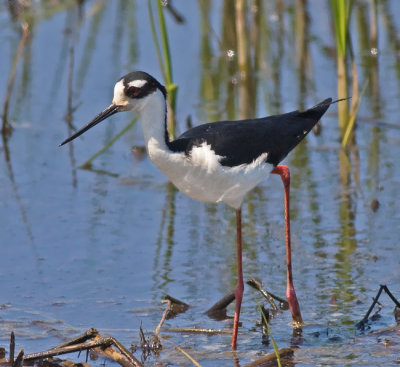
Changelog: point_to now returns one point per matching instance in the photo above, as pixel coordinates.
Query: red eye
(133, 92)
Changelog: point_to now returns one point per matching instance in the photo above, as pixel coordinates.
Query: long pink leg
(294, 306)
(240, 286)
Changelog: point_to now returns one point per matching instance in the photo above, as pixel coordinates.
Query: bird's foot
(294, 307)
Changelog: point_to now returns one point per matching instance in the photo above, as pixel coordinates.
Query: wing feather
(241, 142)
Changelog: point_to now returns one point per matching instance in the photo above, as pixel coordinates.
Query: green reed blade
(276, 350)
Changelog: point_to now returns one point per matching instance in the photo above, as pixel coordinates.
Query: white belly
(202, 178)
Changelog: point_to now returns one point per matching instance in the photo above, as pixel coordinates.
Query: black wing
(240, 142)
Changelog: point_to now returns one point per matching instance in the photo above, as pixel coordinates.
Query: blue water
(101, 248)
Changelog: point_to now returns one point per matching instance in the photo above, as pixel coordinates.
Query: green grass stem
(352, 118)
(155, 39)
(164, 59)
(341, 14)
(340, 10)
(165, 43)
(276, 350)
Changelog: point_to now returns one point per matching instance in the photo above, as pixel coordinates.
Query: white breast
(201, 176)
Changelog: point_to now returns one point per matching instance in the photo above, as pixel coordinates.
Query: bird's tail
(327, 102)
(339, 100)
(319, 109)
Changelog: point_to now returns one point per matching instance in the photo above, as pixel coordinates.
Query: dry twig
(89, 340)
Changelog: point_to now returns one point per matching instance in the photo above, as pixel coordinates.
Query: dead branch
(361, 324)
(103, 342)
(218, 310)
(169, 303)
(122, 357)
(285, 354)
(19, 361)
(176, 307)
(12, 346)
(89, 340)
(257, 284)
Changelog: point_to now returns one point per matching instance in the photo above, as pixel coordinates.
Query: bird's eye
(133, 92)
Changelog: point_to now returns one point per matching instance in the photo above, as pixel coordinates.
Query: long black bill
(109, 111)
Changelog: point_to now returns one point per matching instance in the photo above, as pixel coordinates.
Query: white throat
(152, 112)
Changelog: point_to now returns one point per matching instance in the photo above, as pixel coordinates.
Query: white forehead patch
(119, 95)
(119, 88)
(137, 83)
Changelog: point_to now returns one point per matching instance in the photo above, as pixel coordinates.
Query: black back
(240, 142)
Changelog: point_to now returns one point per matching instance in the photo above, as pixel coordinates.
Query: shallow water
(100, 248)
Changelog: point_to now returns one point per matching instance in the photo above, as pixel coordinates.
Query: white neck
(152, 111)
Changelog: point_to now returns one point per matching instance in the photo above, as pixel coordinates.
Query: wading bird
(219, 161)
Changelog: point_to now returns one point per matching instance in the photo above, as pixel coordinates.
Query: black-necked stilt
(220, 161)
